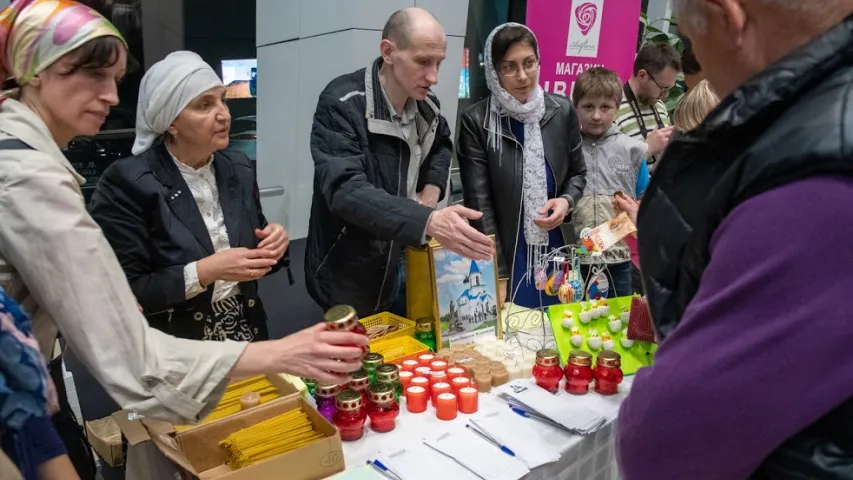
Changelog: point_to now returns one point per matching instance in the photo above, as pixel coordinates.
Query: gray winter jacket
(612, 164)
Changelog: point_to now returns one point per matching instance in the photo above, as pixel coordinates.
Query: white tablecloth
(588, 457)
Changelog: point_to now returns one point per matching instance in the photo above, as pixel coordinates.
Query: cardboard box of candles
(256, 444)
(240, 394)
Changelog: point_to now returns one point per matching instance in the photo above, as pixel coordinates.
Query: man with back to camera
(744, 241)
(642, 113)
(382, 154)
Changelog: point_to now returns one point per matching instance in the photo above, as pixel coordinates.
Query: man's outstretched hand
(450, 227)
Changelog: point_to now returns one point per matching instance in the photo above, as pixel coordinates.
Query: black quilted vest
(792, 121)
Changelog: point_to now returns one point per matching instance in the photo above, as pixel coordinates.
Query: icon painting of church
(474, 306)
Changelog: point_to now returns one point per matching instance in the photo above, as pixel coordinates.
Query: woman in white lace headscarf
(521, 163)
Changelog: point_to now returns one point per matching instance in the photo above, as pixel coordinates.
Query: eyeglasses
(510, 69)
(661, 87)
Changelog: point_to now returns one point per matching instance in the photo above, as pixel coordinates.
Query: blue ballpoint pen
(383, 470)
(546, 421)
(491, 440)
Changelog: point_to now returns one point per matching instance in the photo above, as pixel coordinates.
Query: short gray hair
(690, 12)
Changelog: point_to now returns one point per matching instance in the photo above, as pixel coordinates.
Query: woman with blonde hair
(695, 106)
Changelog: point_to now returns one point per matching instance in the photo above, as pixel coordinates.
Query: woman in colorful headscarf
(521, 163)
(64, 61)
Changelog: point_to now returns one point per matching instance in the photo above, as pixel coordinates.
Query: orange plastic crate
(405, 327)
(398, 349)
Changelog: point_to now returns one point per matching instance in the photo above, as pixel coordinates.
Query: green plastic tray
(641, 354)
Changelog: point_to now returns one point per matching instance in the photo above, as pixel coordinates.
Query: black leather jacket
(492, 183)
(788, 123)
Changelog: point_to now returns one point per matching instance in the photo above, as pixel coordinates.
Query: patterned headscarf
(34, 34)
(535, 191)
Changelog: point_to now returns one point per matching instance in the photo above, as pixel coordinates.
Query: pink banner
(575, 35)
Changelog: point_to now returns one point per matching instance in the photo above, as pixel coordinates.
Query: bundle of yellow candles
(279, 434)
(229, 404)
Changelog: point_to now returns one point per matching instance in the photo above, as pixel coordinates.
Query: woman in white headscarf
(184, 216)
(521, 163)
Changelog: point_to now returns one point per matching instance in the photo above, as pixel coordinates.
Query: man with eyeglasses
(642, 113)
(382, 151)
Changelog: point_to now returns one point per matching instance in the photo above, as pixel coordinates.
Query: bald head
(736, 39)
(409, 24)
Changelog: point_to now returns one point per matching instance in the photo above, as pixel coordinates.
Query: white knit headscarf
(502, 105)
(165, 91)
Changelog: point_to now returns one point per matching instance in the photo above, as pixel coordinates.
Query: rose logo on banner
(586, 15)
(585, 28)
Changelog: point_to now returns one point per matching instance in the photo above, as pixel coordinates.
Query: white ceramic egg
(568, 323)
(594, 340)
(614, 324)
(625, 316)
(625, 341)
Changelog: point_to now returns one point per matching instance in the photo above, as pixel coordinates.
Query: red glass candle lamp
(608, 373)
(578, 372)
(456, 372)
(547, 372)
(382, 408)
(360, 383)
(342, 318)
(350, 415)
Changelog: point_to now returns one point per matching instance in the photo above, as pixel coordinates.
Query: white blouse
(202, 185)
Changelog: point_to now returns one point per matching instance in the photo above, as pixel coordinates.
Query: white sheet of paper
(478, 455)
(556, 407)
(420, 462)
(519, 436)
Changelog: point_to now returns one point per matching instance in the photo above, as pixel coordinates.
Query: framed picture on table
(459, 294)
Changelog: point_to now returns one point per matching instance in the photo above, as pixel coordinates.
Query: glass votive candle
(406, 379)
(422, 372)
(455, 372)
(416, 399)
(422, 382)
(438, 365)
(425, 359)
(436, 377)
(446, 406)
(468, 400)
(409, 365)
(438, 389)
(460, 382)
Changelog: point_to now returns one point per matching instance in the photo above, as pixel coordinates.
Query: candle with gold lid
(350, 415)
(342, 318)
(547, 370)
(371, 362)
(425, 332)
(608, 373)
(382, 408)
(578, 372)
(390, 374)
(324, 394)
(360, 382)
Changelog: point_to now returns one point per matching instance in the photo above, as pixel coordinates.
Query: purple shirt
(763, 350)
